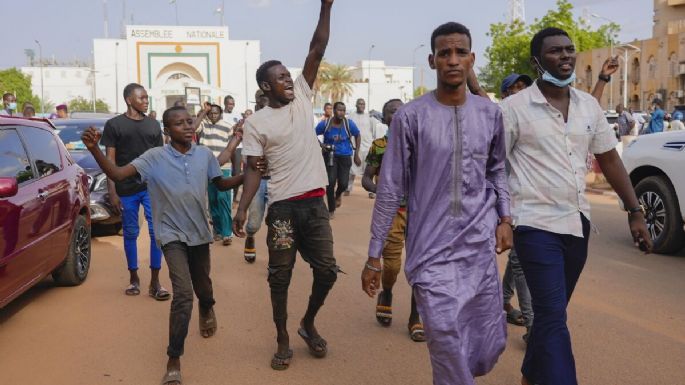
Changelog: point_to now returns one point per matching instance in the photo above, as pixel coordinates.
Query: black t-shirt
(131, 138)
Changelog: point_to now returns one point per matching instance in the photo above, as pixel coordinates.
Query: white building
(62, 84)
(178, 62)
(194, 64)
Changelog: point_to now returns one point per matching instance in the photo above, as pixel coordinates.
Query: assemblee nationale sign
(176, 33)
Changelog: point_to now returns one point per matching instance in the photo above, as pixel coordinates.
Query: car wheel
(664, 223)
(75, 267)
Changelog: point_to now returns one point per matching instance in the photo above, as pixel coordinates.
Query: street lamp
(626, 47)
(368, 97)
(413, 66)
(116, 75)
(611, 53)
(42, 96)
(247, 97)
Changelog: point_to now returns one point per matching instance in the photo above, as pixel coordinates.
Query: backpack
(346, 126)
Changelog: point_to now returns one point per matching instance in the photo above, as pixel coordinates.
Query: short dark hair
(6, 95)
(128, 90)
(658, 102)
(388, 102)
(539, 38)
(326, 105)
(336, 104)
(264, 69)
(227, 98)
(449, 29)
(169, 111)
(221, 110)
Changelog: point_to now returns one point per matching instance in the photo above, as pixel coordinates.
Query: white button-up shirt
(546, 158)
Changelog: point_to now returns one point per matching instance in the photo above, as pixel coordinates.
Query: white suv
(656, 165)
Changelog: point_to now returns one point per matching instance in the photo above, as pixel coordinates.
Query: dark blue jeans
(552, 264)
(129, 223)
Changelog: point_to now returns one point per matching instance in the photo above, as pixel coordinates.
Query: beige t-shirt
(286, 138)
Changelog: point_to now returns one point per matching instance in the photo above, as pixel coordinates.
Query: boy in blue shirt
(337, 138)
(177, 177)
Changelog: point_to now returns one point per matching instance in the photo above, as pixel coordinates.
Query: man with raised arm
(297, 217)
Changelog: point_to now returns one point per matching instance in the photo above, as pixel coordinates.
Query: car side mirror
(8, 187)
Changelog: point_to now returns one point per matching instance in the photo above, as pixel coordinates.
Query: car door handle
(43, 195)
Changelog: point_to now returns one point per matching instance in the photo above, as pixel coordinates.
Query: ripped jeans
(304, 226)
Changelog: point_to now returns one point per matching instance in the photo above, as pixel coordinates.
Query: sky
(65, 28)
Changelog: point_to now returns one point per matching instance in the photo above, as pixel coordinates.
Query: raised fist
(91, 137)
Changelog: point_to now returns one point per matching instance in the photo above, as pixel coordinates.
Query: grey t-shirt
(177, 184)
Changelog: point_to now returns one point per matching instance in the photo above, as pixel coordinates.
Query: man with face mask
(546, 158)
(9, 102)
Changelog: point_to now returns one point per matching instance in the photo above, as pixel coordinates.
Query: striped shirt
(215, 136)
(546, 158)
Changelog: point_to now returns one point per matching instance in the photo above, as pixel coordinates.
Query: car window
(13, 159)
(43, 149)
(70, 133)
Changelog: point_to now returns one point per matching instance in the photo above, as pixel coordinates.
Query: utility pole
(106, 19)
(368, 98)
(42, 94)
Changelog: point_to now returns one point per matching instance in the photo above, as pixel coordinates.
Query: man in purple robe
(446, 153)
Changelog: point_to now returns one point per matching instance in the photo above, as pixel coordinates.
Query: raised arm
(91, 138)
(206, 108)
(227, 154)
(608, 68)
(317, 48)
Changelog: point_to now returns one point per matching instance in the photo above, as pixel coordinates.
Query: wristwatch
(638, 209)
(605, 78)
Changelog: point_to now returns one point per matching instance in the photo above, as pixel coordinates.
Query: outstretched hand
(91, 137)
(610, 66)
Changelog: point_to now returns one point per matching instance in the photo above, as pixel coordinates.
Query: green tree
(420, 90)
(510, 48)
(334, 81)
(84, 105)
(14, 81)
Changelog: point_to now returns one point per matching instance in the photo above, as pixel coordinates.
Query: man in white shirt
(367, 128)
(546, 155)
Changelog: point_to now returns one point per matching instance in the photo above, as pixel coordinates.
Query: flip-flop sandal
(160, 293)
(314, 343)
(383, 313)
(133, 289)
(172, 376)
(416, 333)
(208, 323)
(515, 317)
(281, 362)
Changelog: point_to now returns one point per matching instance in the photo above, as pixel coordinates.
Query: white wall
(62, 84)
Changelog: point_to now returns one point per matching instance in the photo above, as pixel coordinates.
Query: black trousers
(338, 174)
(302, 226)
(189, 268)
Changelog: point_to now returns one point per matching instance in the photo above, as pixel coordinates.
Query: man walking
(367, 132)
(337, 135)
(213, 134)
(125, 138)
(550, 129)
(392, 250)
(446, 155)
(656, 123)
(297, 217)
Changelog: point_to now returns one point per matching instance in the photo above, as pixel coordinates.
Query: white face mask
(549, 78)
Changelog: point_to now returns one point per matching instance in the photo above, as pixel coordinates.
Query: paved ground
(626, 318)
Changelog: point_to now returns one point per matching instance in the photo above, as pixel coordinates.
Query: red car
(44, 214)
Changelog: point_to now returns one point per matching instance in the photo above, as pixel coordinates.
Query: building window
(635, 71)
(651, 63)
(673, 64)
(588, 77)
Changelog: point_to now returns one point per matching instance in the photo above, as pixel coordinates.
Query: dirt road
(626, 318)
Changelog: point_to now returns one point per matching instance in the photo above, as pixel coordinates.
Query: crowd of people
(456, 180)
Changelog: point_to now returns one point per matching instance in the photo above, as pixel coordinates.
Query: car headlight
(100, 183)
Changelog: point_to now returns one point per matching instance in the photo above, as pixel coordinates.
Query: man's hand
(638, 229)
(371, 280)
(239, 222)
(207, 107)
(115, 202)
(504, 236)
(262, 165)
(91, 138)
(610, 66)
(357, 160)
